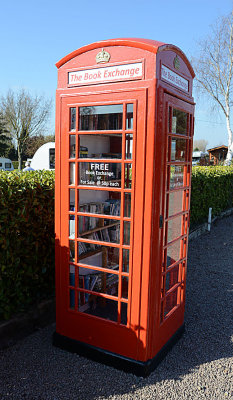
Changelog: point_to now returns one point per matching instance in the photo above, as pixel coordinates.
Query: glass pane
(176, 176)
(98, 307)
(100, 146)
(127, 210)
(99, 202)
(124, 287)
(179, 122)
(100, 174)
(97, 281)
(51, 159)
(72, 298)
(175, 202)
(170, 302)
(71, 226)
(72, 119)
(178, 150)
(174, 228)
(72, 275)
(99, 229)
(129, 116)
(100, 118)
(125, 260)
(172, 278)
(83, 248)
(72, 173)
(128, 146)
(127, 233)
(72, 250)
(101, 256)
(128, 176)
(72, 200)
(174, 252)
(124, 307)
(169, 120)
(72, 146)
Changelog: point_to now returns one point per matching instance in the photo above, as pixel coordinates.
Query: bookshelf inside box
(102, 279)
(93, 205)
(99, 278)
(98, 229)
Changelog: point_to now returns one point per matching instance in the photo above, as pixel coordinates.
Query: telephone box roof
(152, 46)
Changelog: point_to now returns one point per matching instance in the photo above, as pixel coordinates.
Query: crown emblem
(102, 57)
(176, 63)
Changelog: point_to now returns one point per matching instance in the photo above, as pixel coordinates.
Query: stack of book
(108, 207)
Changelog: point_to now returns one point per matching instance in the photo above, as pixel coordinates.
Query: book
(83, 152)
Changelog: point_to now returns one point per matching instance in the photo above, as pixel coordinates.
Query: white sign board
(100, 174)
(106, 74)
(171, 77)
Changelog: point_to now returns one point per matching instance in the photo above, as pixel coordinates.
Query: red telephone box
(124, 130)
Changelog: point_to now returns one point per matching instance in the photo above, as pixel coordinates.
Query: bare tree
(200, 144)
(33, 143)
(4, 139)
(25, 116)
(214, 70)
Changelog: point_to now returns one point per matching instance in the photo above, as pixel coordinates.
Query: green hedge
(211, 187)
(26, 239)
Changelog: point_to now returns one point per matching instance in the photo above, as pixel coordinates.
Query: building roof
(223, 147)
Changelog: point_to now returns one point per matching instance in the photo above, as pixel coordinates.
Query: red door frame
(162, 331)
(105, 334)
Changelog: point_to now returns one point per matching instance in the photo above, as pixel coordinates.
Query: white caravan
(44, 157)
(6, 164)
(197, 156)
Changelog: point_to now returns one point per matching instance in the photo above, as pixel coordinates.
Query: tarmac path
(200, 365)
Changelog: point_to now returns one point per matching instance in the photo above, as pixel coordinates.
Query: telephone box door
(101, 209)
(178, 125)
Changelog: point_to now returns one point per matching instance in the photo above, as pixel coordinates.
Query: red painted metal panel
(70, 318)
(165, 326)
(151, 286)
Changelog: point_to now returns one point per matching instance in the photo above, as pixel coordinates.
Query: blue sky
(35, 35)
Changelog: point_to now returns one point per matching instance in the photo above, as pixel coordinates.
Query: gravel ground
(198, 367)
